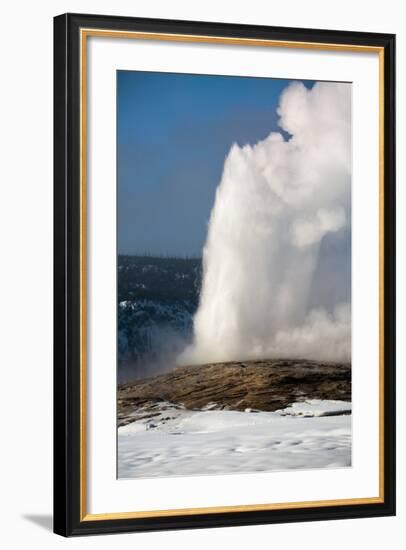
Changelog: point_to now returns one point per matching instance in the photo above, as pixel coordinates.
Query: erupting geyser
(276, 202)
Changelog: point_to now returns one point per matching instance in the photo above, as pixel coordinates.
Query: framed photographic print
(224, 274)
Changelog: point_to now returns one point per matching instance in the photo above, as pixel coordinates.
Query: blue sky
(173, 134)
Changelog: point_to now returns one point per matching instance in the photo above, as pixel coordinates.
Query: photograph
(233, 274)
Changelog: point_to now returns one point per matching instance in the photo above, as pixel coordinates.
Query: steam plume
(276, 203)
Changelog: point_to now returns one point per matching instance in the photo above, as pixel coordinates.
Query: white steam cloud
(276, 202)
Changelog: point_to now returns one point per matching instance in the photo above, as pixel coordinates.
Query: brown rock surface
(266, 385)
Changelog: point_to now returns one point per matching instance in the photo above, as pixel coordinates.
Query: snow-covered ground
(176, 441)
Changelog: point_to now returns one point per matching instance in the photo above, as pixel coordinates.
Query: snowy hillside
(148, 327)
(157, 298)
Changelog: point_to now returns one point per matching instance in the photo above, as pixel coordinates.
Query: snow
(317, 407)
(176, 441)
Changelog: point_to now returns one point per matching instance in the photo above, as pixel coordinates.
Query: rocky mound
(266, 385)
